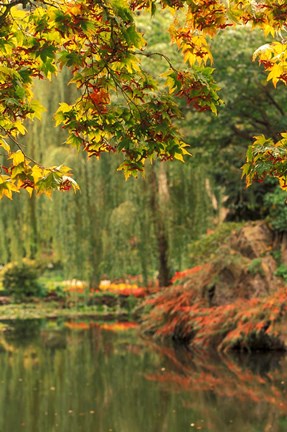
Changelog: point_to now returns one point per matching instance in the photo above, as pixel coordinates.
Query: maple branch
(49, 4)
(241, 133)
(128, 99)
(151, 54)
(273, 101)
(8, 7)
(14, 3)
(24, 153)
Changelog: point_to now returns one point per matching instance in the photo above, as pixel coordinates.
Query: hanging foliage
(121, 107)
(180, 314)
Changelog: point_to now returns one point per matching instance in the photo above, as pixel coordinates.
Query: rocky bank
(233, 298)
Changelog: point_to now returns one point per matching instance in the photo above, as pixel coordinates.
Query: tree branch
(273, 101)
(151, 54)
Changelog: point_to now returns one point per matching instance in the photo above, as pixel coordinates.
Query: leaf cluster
(121, 106)
(266, 157)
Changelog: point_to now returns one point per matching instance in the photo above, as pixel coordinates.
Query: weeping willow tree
(112, 227)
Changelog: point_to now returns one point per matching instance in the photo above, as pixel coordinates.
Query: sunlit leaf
(17, 157)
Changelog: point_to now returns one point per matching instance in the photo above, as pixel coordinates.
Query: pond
(84, 376)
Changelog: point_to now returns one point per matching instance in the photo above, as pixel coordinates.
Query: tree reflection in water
(245, 390)
(87, 377)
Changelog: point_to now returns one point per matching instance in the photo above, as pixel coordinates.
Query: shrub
(20, 279)
(282, 272)
(208, 246)
(255, 267)
(277, 209)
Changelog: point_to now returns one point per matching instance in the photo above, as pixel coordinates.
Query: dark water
(83, 377)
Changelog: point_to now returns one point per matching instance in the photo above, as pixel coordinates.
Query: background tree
(126, 96)
(251, 106)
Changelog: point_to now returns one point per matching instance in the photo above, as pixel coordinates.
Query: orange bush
(185, 273)
(258, 323)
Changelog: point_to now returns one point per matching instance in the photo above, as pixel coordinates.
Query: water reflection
(237, 393)
(83, 377)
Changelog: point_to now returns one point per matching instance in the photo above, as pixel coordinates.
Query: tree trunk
(34, 227)
(158, 197)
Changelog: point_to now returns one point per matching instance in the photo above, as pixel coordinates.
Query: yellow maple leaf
(275, 73)
(5, 145)
(37, 173)
(17, 157)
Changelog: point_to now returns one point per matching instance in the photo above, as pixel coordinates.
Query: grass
(38, 310)
(68, 298)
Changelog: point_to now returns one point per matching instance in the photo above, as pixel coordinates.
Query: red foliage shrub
(185, 273)
(258, 323)
(136, 292)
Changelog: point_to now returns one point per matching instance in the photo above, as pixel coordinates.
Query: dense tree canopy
(113, 227)
(120, 105)
(252, 106)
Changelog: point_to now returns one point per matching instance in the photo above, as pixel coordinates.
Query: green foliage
(250, 106)
(206, 248)
(121, 105)
(276, 203)
(266, 157)
(20, 279)
(276, 253)
(88, 232)
(255, 267)
(282, 272)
